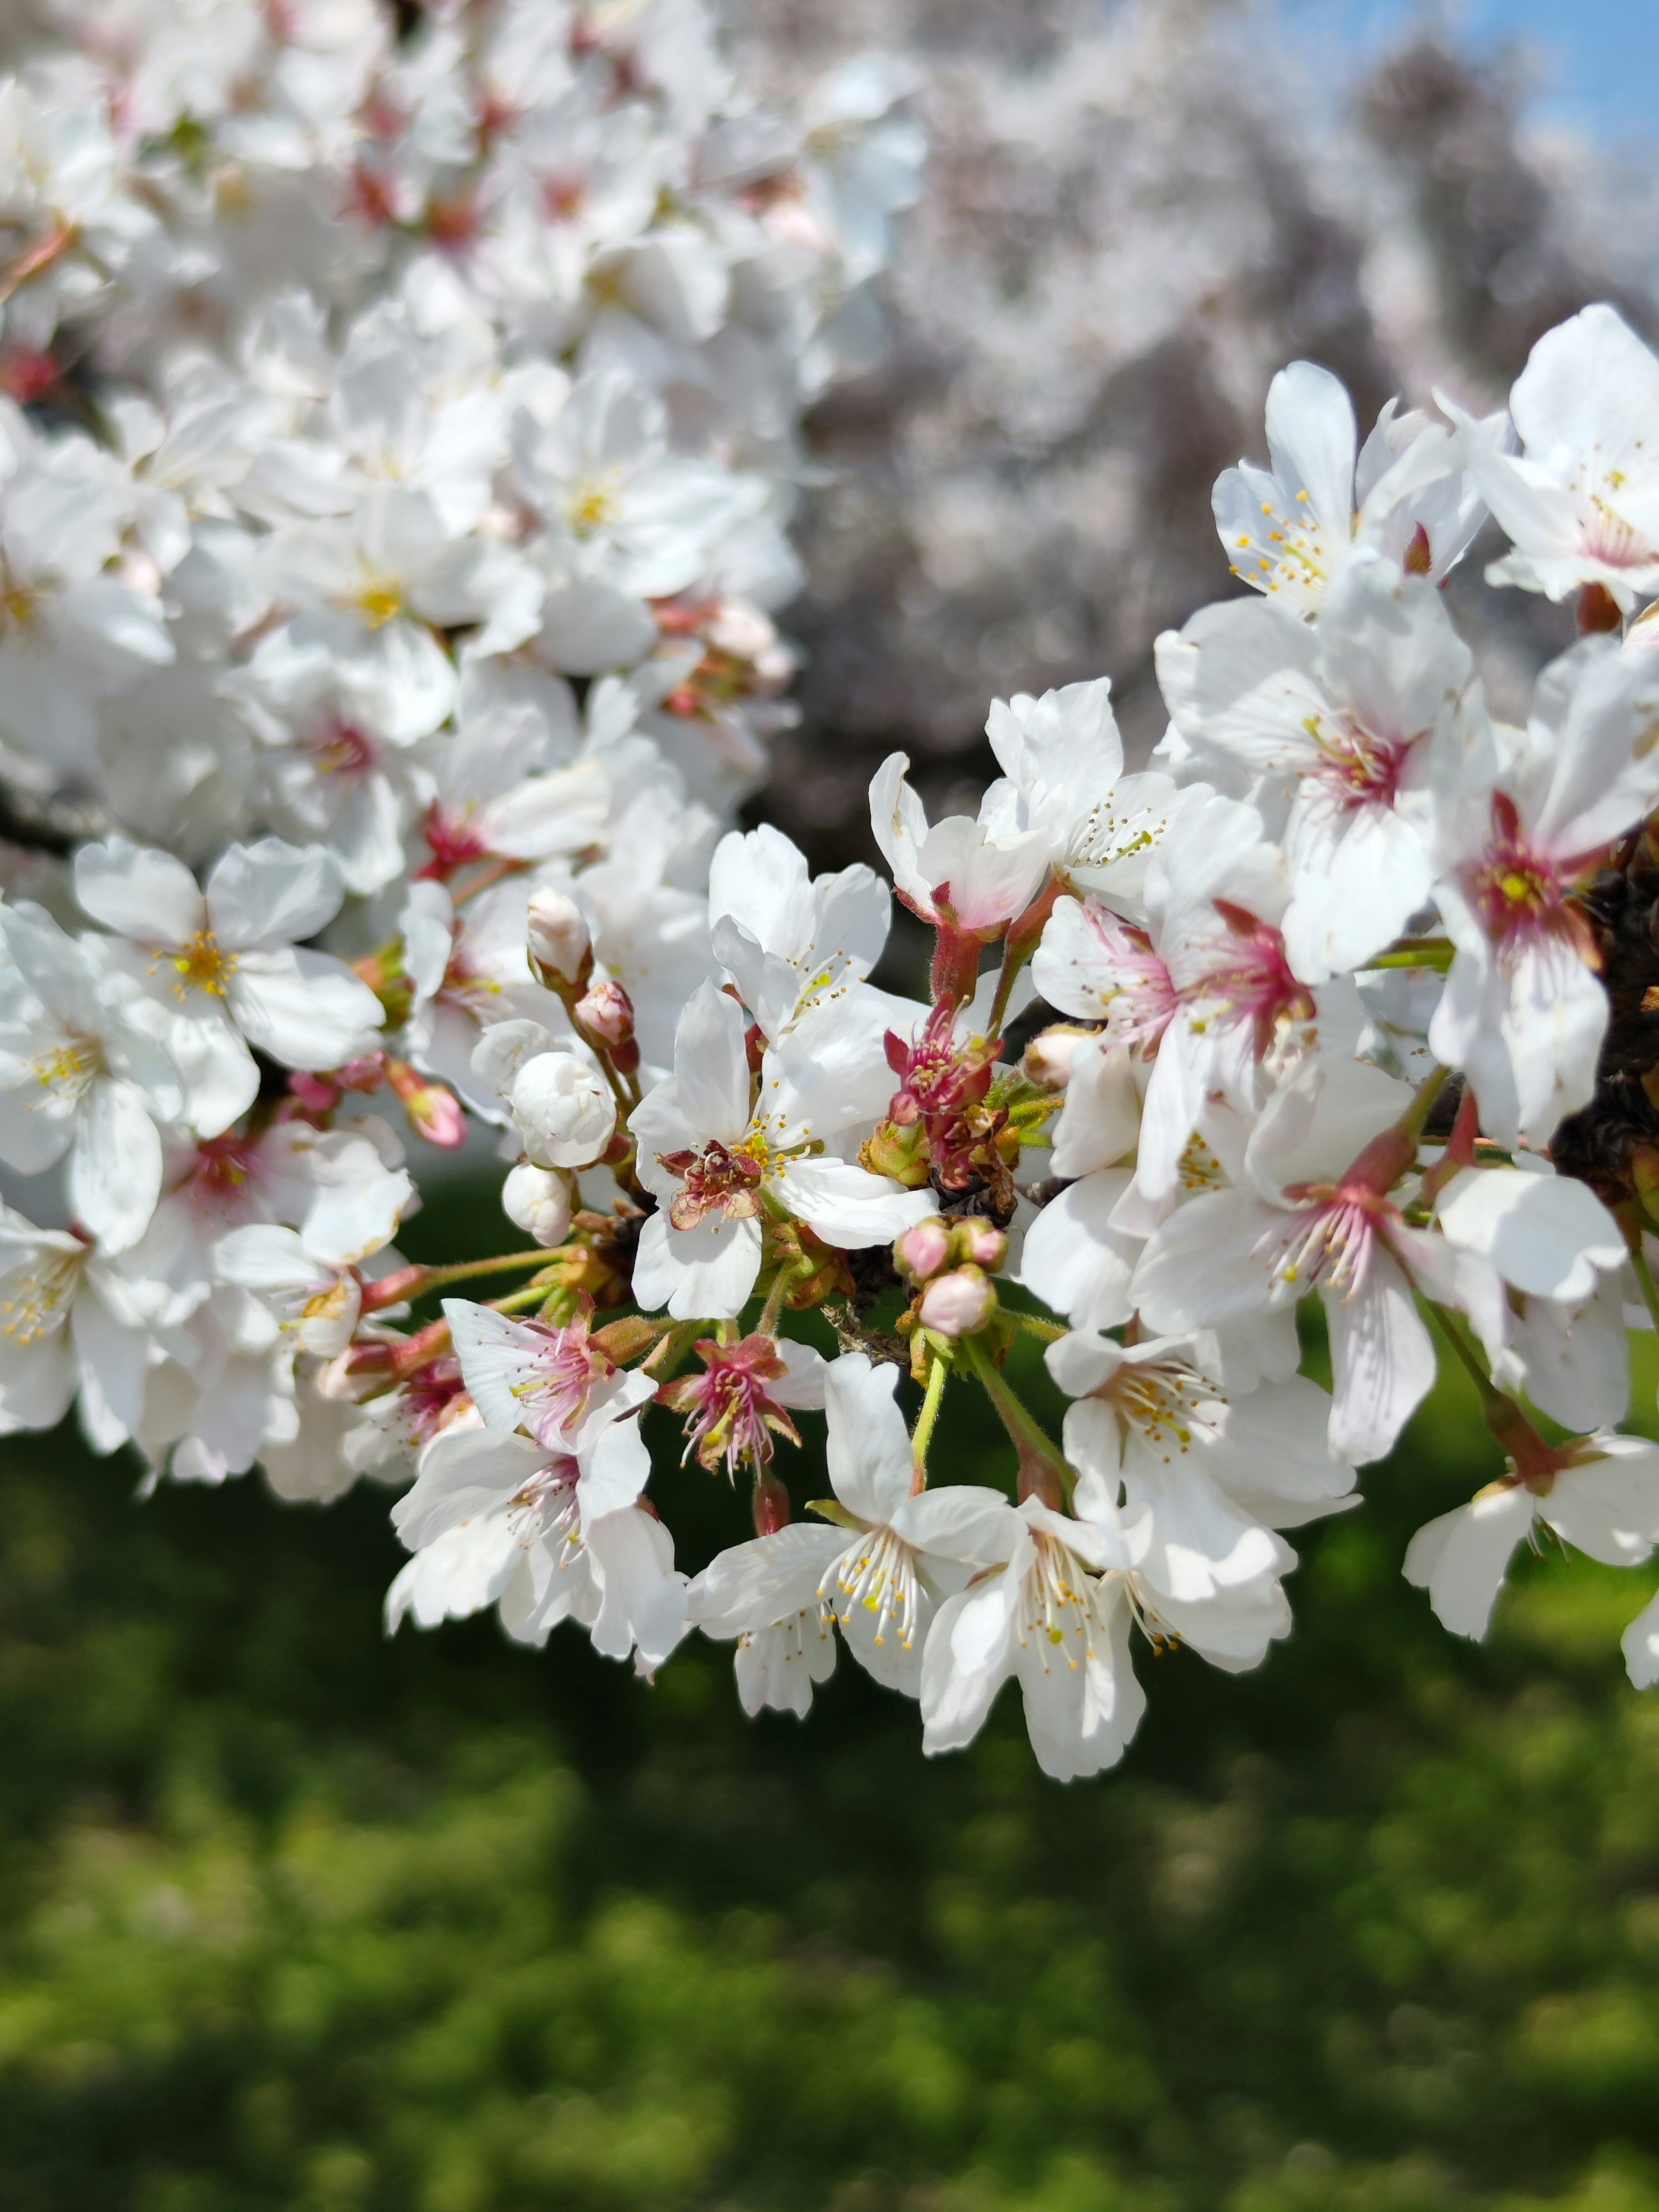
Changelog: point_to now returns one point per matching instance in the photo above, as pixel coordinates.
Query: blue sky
(1594, 62)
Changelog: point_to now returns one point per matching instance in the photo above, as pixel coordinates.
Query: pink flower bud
(923, 1251)
(981, 1241)
(606, 1012)
(558, 935)
(1047, 1061)
(434, 1110)
(957, 1303)
(771, 1506)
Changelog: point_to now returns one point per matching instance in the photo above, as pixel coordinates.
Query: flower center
(378, 602)
(1059, 1604)
(879, 1573)
(1329, 1245)
(343, 750)
(69, 1065)
(1518, 893)
(718, 1180)
(222, 1171)
(593, 505)
(556, 1392)
(1355, 766)
(200, 965)
(31, 1305)
(1162, 1403)
(1605, 536)
(1251, 980)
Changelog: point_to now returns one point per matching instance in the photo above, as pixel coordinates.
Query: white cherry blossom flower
(1054, 1614)
(1063, 763)
(1319, 1212)
(225, 963)
(67, 1326)
(84, 1071)
(714, 1161)
(880, 1567)
(788, 940)
(1603, 1500)
(1523, 1012)
(1288, 528)
(1581, 499)
(1347, 729)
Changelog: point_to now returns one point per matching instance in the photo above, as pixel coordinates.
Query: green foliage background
(290, 1917)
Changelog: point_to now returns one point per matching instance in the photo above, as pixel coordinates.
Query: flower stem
(1535, 1461)
(1638, 1259)
(1423, 1105)
(415, 1282)
(938, 1375)
(1043, 1473)
(1416, 952)
(768, 1323)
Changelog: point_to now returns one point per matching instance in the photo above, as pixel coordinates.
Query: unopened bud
(923, 1251)
(559, 943)
(434, 1110)
(979, 1241)
(606, 1012)
(565, 1114)
(537, 1201)
(771, 1506)
(958, 1304)
(1047, 1060)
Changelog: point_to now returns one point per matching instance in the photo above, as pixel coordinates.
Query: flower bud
(434, 1110)
(923, 1250)
(564, 1112)
(1047, 1061)
(538, 1199)
(559, 943)
(606, 1012)
(957, 1303)
(771, 1506)
(979, 1241)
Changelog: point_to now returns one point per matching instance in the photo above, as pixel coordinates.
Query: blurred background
(293, 1920)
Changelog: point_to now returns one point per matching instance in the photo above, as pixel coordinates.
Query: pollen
(379, 603)
(594, 506)
(200, 965)
(71, 1066)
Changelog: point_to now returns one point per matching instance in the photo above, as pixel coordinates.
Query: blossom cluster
(395, 494)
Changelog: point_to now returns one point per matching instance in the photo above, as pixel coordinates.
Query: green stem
(1013, 962)
(1420, 1108)
(938, 1375)
(768, 1323)
(1039, 1455)
(1489, 1394)
(1535, 1461)
(520, 1299)
(1435, 952)
(1638, 1259)
(462, 1271)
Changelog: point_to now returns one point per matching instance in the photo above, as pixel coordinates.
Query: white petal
(870, 1463)
(1461, 1558)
